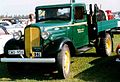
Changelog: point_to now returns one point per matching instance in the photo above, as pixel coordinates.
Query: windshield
(53, 14)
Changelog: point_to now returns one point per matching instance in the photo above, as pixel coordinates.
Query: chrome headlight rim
(17, 35)
(45, 35)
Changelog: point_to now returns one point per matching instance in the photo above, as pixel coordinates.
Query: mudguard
(11, 43)
(55, 46)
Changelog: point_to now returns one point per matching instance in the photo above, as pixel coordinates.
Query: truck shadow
(93, 54)
(34, 72)
(103, 70)
(31, 72)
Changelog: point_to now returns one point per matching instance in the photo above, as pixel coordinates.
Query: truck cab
(70, 16)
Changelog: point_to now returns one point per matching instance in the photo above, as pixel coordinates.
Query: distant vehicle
(5, 23)
(4, 37)
(12, 20)
(114, 16)
(15, 28)
(11, 28)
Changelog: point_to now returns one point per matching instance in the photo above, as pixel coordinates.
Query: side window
(79, 13)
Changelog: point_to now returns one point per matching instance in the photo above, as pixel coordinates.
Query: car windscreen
(54, 14)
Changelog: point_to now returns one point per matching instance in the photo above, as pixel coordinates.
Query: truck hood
(51, 24)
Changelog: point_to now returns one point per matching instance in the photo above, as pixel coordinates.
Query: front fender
(55, 46)
(11, 43)
(14, 41)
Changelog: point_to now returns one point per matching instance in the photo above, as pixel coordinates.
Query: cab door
(80, 29)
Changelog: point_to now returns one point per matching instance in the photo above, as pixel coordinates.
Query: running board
(84, 49)
(28, 60)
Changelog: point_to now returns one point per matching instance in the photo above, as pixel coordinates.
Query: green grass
(87, 67)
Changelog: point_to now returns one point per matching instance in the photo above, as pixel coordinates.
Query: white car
(5, 23)
(4, 37)
(15, 28)
(11, 28)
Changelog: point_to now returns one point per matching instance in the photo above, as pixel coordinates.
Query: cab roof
(60, 5)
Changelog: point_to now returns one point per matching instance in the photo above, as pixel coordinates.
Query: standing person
(31, 19)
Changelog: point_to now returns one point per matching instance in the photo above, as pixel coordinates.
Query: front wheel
(104, 47)
(63, 62)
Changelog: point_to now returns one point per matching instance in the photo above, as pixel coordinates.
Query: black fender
(11, 43)
(55, 46)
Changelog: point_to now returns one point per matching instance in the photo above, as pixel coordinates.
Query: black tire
(63, 62)
(97, 46)
(104, 45)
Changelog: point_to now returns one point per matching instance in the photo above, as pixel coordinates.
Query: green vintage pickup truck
(60, 32)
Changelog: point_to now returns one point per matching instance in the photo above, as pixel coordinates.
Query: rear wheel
(104, 45)
(63, 62)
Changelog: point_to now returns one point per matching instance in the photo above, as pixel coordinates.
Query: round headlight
(17, 35)
(45, 35)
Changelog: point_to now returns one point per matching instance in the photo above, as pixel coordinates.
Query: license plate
(15, 52)
(37, 54)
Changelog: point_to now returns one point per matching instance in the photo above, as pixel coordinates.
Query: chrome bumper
(28, 60)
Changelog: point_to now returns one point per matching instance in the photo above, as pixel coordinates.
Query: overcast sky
(13, 7)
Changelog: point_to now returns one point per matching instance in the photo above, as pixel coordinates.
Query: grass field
(87, 67)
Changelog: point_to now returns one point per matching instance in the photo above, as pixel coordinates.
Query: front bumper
(28, 60)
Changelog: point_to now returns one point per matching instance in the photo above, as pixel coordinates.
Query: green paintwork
(67, 28)
(103, 25)
(60, 5)
(75, 30)
(80, 38)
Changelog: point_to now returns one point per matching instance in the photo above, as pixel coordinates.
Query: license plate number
(37, 54)
(15, 52)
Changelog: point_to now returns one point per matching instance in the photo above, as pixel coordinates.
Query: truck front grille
(32, 39)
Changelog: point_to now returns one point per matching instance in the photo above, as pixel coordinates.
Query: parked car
(4, 37)
(12, 20)
(11, 28)
(15, 28)
(5, 23)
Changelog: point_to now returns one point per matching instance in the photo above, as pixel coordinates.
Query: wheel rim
(108, 45)
(67, 62)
